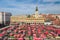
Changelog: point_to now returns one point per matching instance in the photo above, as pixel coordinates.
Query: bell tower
(36, 8)
(36, 12)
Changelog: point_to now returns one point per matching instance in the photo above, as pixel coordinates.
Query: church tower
(36, 12)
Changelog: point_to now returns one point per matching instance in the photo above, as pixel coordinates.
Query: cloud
(20, 9)
(50, 0)
(49, 9)
(57, 2)
(28, 6)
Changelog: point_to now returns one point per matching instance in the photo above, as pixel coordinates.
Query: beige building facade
(35, 18)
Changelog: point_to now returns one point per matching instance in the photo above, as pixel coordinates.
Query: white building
(5, 18)
(47, 23)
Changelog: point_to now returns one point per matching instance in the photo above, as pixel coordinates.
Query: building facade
(35, 18)
(5, 18)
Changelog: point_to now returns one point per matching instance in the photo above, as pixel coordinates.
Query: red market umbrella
(4, 29)
(34, 35)
(37, 38)
(46, 32)
(58, 31)
(43, 36)
(20, 38)
(1, 35)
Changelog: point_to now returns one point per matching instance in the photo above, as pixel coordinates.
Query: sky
(20, 7)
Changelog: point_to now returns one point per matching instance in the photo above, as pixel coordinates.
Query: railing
(5, 27)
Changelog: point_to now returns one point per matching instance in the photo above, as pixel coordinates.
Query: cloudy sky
(17, 7)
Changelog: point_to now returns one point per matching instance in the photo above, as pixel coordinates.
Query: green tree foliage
(28, 16)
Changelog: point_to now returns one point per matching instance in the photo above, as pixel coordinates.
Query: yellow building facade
(36, 18)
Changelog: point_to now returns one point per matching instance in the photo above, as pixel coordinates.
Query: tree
(47, 20)
(57, 17)
(29, 16)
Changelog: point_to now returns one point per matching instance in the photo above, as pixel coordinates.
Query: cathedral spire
(36, 12)
(37, 5)
(36, 8)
